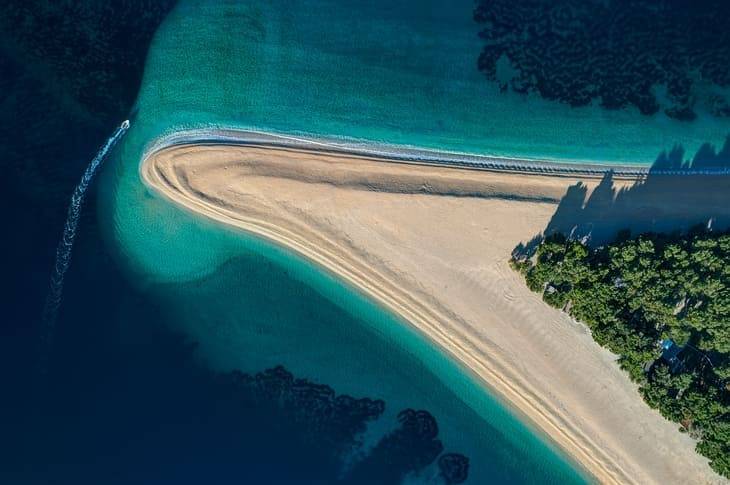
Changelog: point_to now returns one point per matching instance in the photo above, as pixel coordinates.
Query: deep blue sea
(185, 352)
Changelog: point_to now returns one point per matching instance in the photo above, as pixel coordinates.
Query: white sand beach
(433, 245)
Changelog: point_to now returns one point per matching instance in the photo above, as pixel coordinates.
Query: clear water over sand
(398, 72)
(400, 75)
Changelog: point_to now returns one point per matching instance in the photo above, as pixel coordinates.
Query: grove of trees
(634, 293)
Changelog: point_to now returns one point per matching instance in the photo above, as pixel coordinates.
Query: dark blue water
(125, 399)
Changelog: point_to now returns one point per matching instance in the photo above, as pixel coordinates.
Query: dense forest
(662, 304)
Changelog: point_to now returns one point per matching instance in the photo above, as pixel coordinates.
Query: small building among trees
(671, 354)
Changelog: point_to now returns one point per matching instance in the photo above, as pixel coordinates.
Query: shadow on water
(657, 203)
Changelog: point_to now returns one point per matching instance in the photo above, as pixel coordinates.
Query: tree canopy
(633, 294)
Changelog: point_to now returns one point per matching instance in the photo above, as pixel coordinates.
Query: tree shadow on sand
(697, 193)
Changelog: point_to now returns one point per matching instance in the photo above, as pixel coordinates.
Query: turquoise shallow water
(383, 71)
(374, 71)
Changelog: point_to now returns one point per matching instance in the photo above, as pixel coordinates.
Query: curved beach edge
(600, 457)
(414, 155)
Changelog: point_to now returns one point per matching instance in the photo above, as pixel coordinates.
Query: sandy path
(433, 245)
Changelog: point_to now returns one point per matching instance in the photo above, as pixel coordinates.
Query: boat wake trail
(65, 245)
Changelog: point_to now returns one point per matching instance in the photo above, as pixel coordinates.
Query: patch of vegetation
(635, 293)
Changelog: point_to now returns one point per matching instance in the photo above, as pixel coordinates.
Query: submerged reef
(454, 467)
(333, 423)
(70, 73)
(669, 55)
(95, 61)
(323, 418)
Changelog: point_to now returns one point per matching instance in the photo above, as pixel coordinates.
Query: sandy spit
(432, 244)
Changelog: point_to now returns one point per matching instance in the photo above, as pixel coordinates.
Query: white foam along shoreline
(413, 155)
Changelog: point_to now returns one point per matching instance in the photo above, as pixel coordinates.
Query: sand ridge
(433, 244)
